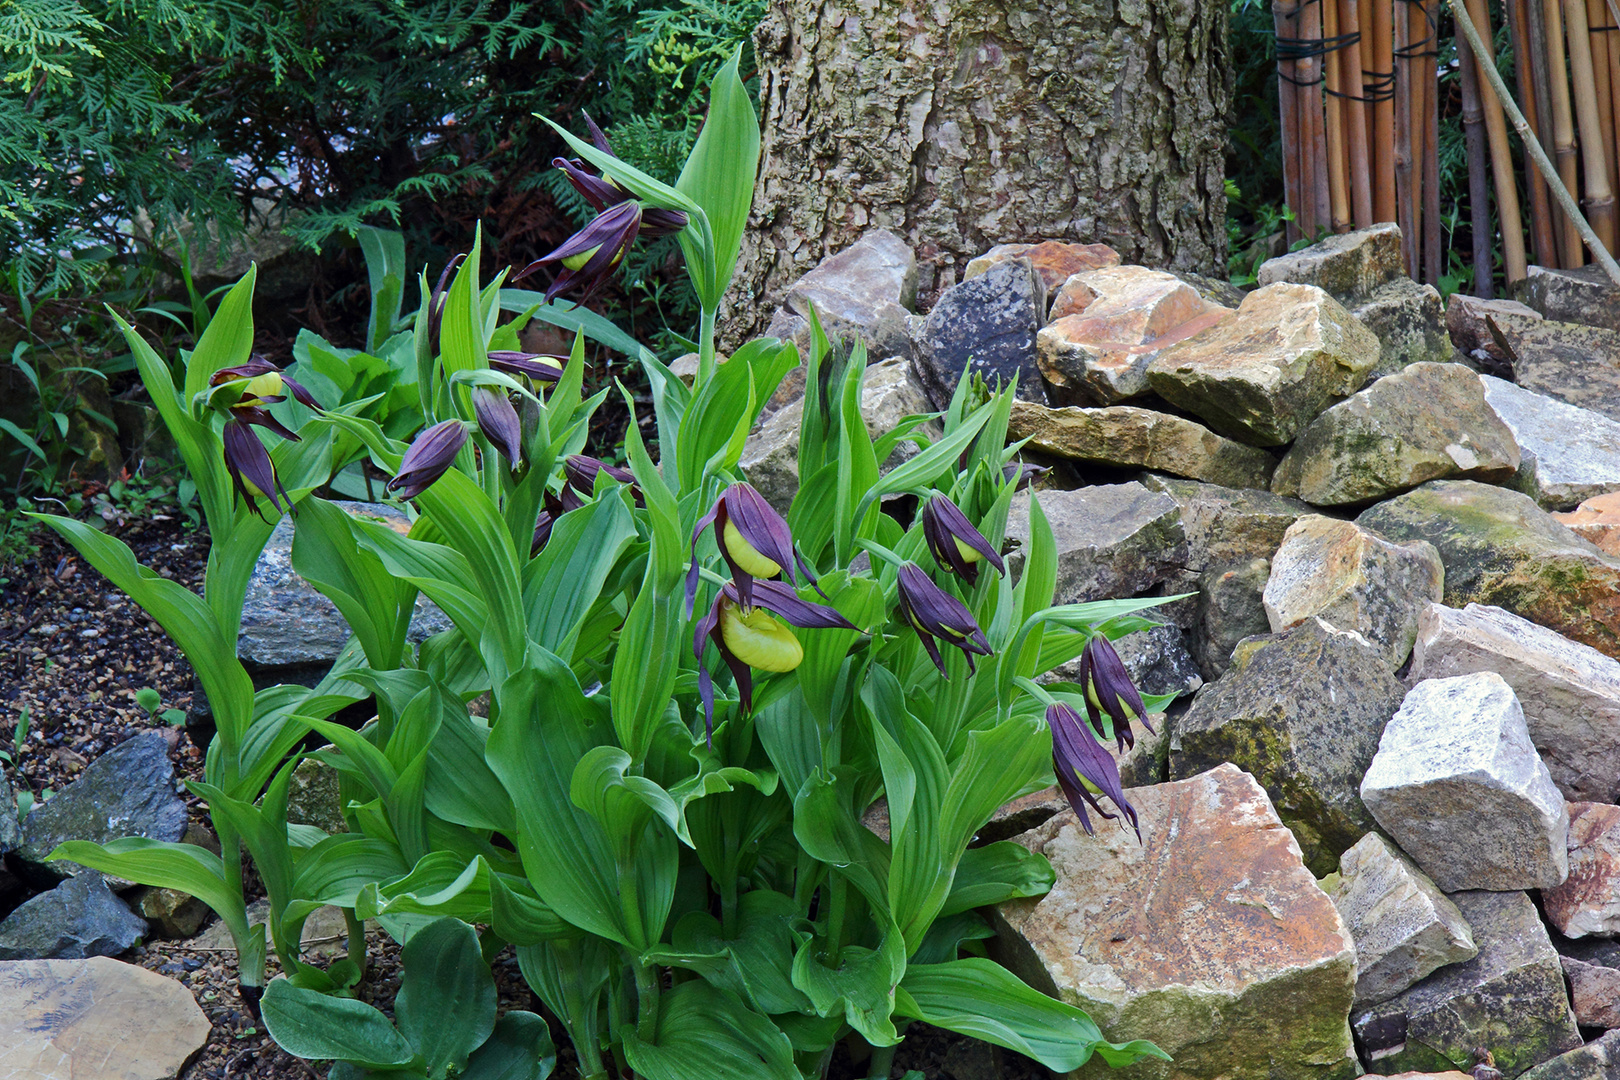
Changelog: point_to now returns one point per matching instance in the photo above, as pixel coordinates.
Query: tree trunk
(963, 124)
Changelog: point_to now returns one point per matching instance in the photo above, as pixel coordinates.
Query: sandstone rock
(1353, 580)
(1406, 318)
(861, 293)
(1509, 999)
(1500, 548)
(1231, 607)
(1123, 435)
(1216, 290)
(1073, 297)
(1597, 521)
(1459, 786)
(1569, 454)
(1427, 422)
(1404, 927)
(1112, 540)
(1227, 525)
(1588, 901)
(1465, 321)
(1350, 264)
(1208, 937)
(1570, 692)
(1265, 373)
(1302, 712)
(1576, 364)
(172, 912)
(313, 797)
(991, 320)
(128, 791)
(1054, 262)
(79, 918)
(1594, 993)
(1585, 296)
(1100, 356)
(95, 1019)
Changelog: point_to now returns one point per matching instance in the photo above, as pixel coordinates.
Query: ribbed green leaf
(446, 1001)
(719, 174)
(708, 1034)
(310, 1025)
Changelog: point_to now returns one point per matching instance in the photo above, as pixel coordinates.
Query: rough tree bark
(961, 124)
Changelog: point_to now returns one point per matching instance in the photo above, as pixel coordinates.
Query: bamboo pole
(1565, 199)
(1405, 196)
(1434, 262)
(1613, 35)
(1355, 115)
(1479, 200)
(1282, 12)
(1313, 126)
(1594, 157)
(1507, 187)
(1543, 109)
(1597, 20)
(1382, 64)
(1525, 70)
(1339, 178)
(1569, 237)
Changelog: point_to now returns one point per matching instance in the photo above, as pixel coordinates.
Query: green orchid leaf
(315, 1027)
(861, 987)
(446, 1001)
(703, 1031)
(994, 873)
(719, 174)
(520, 1048)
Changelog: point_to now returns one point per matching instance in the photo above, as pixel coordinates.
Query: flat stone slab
(1458, 785)
(1564, 360)
(1594, 993)
(1113, 540)
(863, 292)
(1346, 264)
(1407, 320)
(1124, 435)
(1588, 901)
(1209, 936)
(1466, 323)
(1226, 525)
(95, 1019)
(1509, 999)
(1597, 521)
(1567, 454)
(1597, 1060)
(1570, 692)
(1585, 295)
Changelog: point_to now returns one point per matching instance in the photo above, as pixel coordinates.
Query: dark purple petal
(499, 423)
(1108, 687)
(1077, 757)
(1022, 473)
(255, 366)
(429, 458)
(599, 140)
(600, 192)
(692, 571)
(302, 396)
(779, 599)
(542, 533)
(581, 472)
(253, 414)
(656, 222)
(943, 525)
(529, 365)
(932, 612)
(436, 299)
(764, 530)
(249, 465)
(600, 244)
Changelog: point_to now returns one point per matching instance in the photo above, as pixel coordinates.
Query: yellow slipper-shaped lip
(758, 639)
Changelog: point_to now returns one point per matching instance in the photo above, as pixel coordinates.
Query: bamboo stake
(1383, 65)
(1614, 85)
(1466, 24)
(1597, 20)
(1313, 127)
(1569, 238)
(1594, 158)
(1507, 187)
(1355, 114)
(1536, 25)
(1435, 258)
(1288, 106)
(1339, 179)
(1405, 196)
(1479, 201)
(1524, 68)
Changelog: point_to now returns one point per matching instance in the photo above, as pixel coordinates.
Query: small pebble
(91, 633)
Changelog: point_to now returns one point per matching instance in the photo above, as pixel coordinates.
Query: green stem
(837, 904)
(728, 908)
(882, 1061)
(647, 991)
(706, 356)
(357, 939)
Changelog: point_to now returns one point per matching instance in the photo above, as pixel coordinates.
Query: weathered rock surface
(1406, 318)
(1458, 785)
(991, 320)
(1466, 322)
(1156, 659)
(863, 292)
(313, 797)
(1594, 993)
(1567, 454)
(1231, 607)
(1500, 548)
(172, 913)
(1509, 999)
(1575, 364)
(1585, 296)
(1597, 1060)
(1404, 927)
(1208, 937)
(1426, 422)
(1348, 264)
(1112, 540)
(1227, 525)
(1588, 901)
(1054, 261)
(1570, 692)
(1353, 579)
(79, 918)
(1597, 521)
(1124, 435)
(95, 1019)
(128, 791)
(10, 829)
(1301, 711)
(1263, 374)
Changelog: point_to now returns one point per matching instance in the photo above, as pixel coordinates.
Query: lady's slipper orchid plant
(936, 614)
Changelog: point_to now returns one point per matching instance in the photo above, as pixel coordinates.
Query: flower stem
(882, 1060)
(647, 991)
(706, 355)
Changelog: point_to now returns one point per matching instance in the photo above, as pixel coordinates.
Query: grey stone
(1508, 1000)
(313, 797)
(1585, 295)
(1231, 607)
(1112, 540)
(992, 321)
(1404, 927)
(1354, 580)
(1349, 264)
(1588, 901)
(1426, 422)
(1594, 994)
(1597, 1060)
(1228, 525)
(1470, 332)
(172, 912)
(1570, 692)
(1126, 436)
(1458, 785)
(1576, 364)
(128, 791)
(10, 829)
(1302, 712)
(79, 918)
(1054, 261)
(1406, 318)
(1569, 454)
(289, 628)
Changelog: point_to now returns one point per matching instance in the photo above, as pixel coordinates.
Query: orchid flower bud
(429, 458)
(1109, 689)
(935, 613)
(1085, 771)
(953, 541)
(499, 423)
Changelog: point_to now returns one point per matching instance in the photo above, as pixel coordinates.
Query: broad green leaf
(460, 786)
(705, 1033)
(472, 524)
(719, 173)
(828, 825)
(187, 868)
(441, 572)
(570, 975)
(640, 820)
(228, 341)
(564, 580)
(376, 605)
(994, 873)
(384, 250)
(758, 956)
(857, 463)
(861, 987)
(519, 1049)
(335, 870)
(446, 1001)
(315, 1027)
(518, 915)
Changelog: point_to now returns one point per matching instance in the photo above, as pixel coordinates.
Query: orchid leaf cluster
(693, 703)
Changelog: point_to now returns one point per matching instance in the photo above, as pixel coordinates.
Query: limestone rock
(1570, 692)
(290, 629)
(1427, 422)
(1112, 540)
(1465, 322)
(1054, 262)
(1210, 925)
(991, 320)
(1509, 999)
(1227, 525)
(1265, 373)
(10, 829)
(313, 797)
(1585, 296)
(128, 791)
(1597, 521)
(1459, 786)
(1500, 548)
(1100, 356)
(95, 1019)
(79, 918)
(1353, 580)
(1569, 454)
(1231, 607)
(175, 914)
(1576, 364)
(1597, 1060)
(1404, 927)
(1349, 264)
(1302, 712)
(1588, 902)
(1406, 318)
(1594, 993)
(1124, 435)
